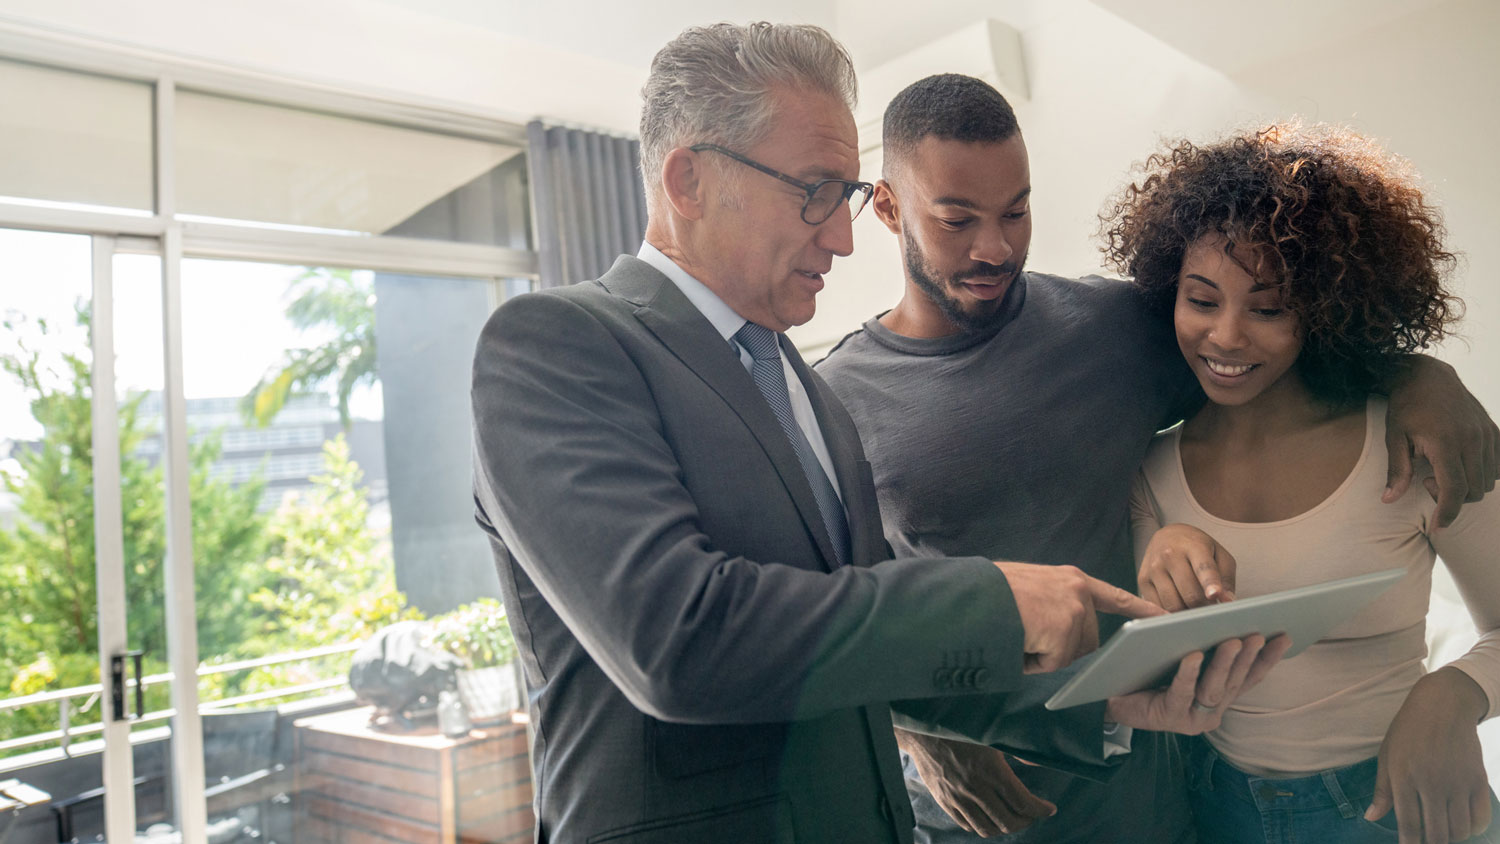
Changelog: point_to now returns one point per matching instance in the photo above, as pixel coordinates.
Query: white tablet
(1144, 653)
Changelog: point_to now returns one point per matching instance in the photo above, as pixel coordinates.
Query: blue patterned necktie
(762, 344)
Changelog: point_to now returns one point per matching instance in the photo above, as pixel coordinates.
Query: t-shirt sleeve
(1145, 520)
(1470, 548)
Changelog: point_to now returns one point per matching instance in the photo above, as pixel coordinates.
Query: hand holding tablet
(1199, 692)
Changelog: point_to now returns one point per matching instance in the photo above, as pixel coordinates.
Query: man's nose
(836, 234)
(991, 247)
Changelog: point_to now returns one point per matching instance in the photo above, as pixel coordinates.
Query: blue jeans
(1233, 807)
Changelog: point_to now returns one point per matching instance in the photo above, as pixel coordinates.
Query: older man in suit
(685, 525)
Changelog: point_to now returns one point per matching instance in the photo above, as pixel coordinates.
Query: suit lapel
(678, 324)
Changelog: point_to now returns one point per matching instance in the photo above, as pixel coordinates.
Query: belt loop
(1336, 791)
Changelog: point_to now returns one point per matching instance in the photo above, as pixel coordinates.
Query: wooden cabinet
(357, 785)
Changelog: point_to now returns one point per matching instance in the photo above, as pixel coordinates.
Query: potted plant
(479, 634)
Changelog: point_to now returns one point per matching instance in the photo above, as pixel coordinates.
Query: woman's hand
(1184, 567)
(1430, 766)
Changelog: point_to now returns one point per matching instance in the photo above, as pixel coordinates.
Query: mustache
(982, 270)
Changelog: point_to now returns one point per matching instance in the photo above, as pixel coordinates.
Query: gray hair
(714, 84)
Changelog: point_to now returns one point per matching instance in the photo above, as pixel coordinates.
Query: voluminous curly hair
(1325, 215)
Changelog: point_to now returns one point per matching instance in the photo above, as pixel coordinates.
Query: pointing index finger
(1217, 574)
(1113, 599)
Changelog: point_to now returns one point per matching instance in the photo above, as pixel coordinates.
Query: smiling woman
(1299, 266)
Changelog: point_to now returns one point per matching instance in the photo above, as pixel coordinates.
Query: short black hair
(950, 106)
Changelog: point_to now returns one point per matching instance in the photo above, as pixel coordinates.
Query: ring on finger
(1200, 706)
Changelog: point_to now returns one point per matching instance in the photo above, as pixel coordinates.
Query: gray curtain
(590, 204)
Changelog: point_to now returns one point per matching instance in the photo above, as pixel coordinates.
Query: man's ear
(886, 207)
(682, 179)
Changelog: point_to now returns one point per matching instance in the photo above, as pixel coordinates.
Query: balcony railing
(66, 734)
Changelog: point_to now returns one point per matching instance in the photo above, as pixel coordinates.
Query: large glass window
(338, 400)
(327, 441)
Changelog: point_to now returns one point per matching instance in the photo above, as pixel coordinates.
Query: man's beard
(983, 314)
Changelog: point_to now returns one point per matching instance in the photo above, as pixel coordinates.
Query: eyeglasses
(823, 196)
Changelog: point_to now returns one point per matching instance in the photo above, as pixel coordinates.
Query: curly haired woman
(1298, 266)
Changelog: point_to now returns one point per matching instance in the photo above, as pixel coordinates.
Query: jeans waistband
(1348, 788)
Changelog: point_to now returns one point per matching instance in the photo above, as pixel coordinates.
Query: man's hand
(1433, 416)
(1194, 704)
(974, 785)
(1431, 768)
(1184, 567)
(1058, 605)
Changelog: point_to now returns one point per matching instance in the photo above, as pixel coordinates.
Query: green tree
(47, 560)
(332, 578)
(322, 298)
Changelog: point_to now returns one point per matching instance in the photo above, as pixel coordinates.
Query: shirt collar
(723, 317)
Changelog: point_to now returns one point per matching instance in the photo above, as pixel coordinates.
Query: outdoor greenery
(322, 298)
(477, 633)
(311, 573)
(329, 578)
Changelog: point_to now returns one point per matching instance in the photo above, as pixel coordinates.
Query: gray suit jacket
(698, 670)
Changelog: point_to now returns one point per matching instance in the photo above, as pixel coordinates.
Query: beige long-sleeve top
(1331, 705)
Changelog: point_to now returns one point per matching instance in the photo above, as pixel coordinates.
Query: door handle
(117, 685)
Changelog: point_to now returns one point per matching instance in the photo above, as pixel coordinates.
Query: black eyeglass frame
(810, 190)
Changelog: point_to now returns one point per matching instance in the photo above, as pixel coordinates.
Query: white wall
(1428, 86)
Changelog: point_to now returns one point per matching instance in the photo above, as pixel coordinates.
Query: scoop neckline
(1338, 492)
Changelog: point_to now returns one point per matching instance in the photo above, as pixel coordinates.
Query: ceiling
(1229, 36)
(1235, 36)
(627, 32)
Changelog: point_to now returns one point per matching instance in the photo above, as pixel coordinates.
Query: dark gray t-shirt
(1019, 442)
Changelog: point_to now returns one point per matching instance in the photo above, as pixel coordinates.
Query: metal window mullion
(382, 254)
(182, 599)
(109, 542)
(75, 221)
